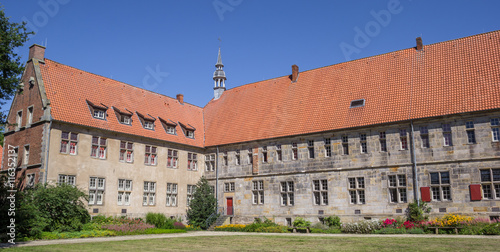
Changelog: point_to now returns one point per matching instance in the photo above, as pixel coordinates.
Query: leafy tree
(12, 35)
(417, 211)
(202, 205)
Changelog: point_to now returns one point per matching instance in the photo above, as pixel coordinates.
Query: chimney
(180, 98)
(37, 52)
(419, 44)
(295, 73)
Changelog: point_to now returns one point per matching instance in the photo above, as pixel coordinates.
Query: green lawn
(281, 243)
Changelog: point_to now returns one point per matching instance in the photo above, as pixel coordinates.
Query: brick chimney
(37, 52)
(180, 98)
(420, 46)
(295, 73)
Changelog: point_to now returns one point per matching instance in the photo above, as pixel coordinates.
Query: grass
(280, 243)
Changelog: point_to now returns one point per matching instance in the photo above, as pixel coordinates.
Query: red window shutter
(425, 194)
(475, 192)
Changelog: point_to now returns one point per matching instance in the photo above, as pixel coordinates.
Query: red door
(229, 206)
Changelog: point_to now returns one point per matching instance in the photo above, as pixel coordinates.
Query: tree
(203, 205)
(12, 35)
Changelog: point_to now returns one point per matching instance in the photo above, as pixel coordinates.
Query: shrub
(159, 220)
(491, 229)
(81, 234)
(272, 229)
(333, 221)
(363, 227)
(417, 211)
(300, 222)
(231, 228)
(179, 225)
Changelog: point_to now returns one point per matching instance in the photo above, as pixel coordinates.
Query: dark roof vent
(357, 103)
(420, 45)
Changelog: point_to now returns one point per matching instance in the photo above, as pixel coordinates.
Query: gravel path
(212, 233)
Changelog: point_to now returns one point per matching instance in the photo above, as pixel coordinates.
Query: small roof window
(98, 110)
(357, 103)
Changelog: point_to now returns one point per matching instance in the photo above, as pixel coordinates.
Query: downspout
(414, 162)
(46, 165)
(217, 176)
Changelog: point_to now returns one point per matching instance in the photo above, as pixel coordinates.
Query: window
(29, 120)
(397, 188)
(149, 125)
(224, 158)
(424, 135)
(99, 114)
(287, 190)
(190, 192)
(192, 162)
(30, 180)
(19, 119)
(440, 186)
(148, 198)
(490, 182)
(279, 153)
(190, 133)
(69, 142)
(447, 135)
(26, 157)
(171, 129)
(99, 145)
(250, 156)
(471, 135)
(404, 139)
(172, 158)
(295, 151)
(126, 152)
(495, 130)
(210, 162)
(237, 157)
(357, 103)
(229, 187)
(171, 194)
(328, 147)
(124, 191)
(125, 119)
(150, 155)
(320, 192)
(310, 148)
(357, 190)
(258, 192)
(96, 191)
(264, 154)
(383, 141)
(362, 141)
(66, 179)
(345, 144)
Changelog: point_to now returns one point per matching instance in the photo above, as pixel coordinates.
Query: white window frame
(124, 192)
(171, 198)
(150, 155)
(363, 143)
(125, 119)
(69, 143)
(440, 191)
(126, 152)
(357, 193)
(66, 179)
(258, 192)
(403, 139)
(345, 145)
(150, 125)
(100, 147)
(447, 134)
(149, 194)
(96, 190)
(383, 141)
(424, 136)
(328, 147)
(471, 134)
(190, 193)
(229, 187)
(495, 129)
(397, 186)
(210, 162)
(320, 192)
(99, 113)
(295, 151)
(287, 189)
(192, 162)
(491, 186)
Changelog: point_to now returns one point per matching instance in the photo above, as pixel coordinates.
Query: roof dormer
(124, 116)
(188, 130)
(147, 121)
(169, 126)
(97, 110)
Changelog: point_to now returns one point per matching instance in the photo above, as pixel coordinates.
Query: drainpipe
(217, 177)
(414, 162)
(46, 166)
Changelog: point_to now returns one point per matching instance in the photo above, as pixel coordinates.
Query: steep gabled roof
(70, 90)
(456, 76)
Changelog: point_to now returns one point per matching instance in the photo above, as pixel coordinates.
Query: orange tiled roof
(70, 90)
(456, 76)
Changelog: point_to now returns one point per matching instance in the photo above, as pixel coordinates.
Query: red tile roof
(456, 76)
(69, 89)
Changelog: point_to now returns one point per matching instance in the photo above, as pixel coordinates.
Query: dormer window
(148, 125)
(188, 130)
(99, 114)
(125, 119)
(148, 122)
(98, 110)
(169, 126)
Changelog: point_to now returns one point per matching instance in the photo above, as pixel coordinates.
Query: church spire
(219, 78)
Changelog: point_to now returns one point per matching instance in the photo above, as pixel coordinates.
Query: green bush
(333, 221)
(160, 220)
(417, 211)
(80, 234)
(300, 222)
(491, 229)
(258, 223)
(272, 229)
(202, 205)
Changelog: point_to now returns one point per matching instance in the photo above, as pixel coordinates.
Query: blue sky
(170, 47)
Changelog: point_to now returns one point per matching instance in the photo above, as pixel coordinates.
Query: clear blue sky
(127, 40)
